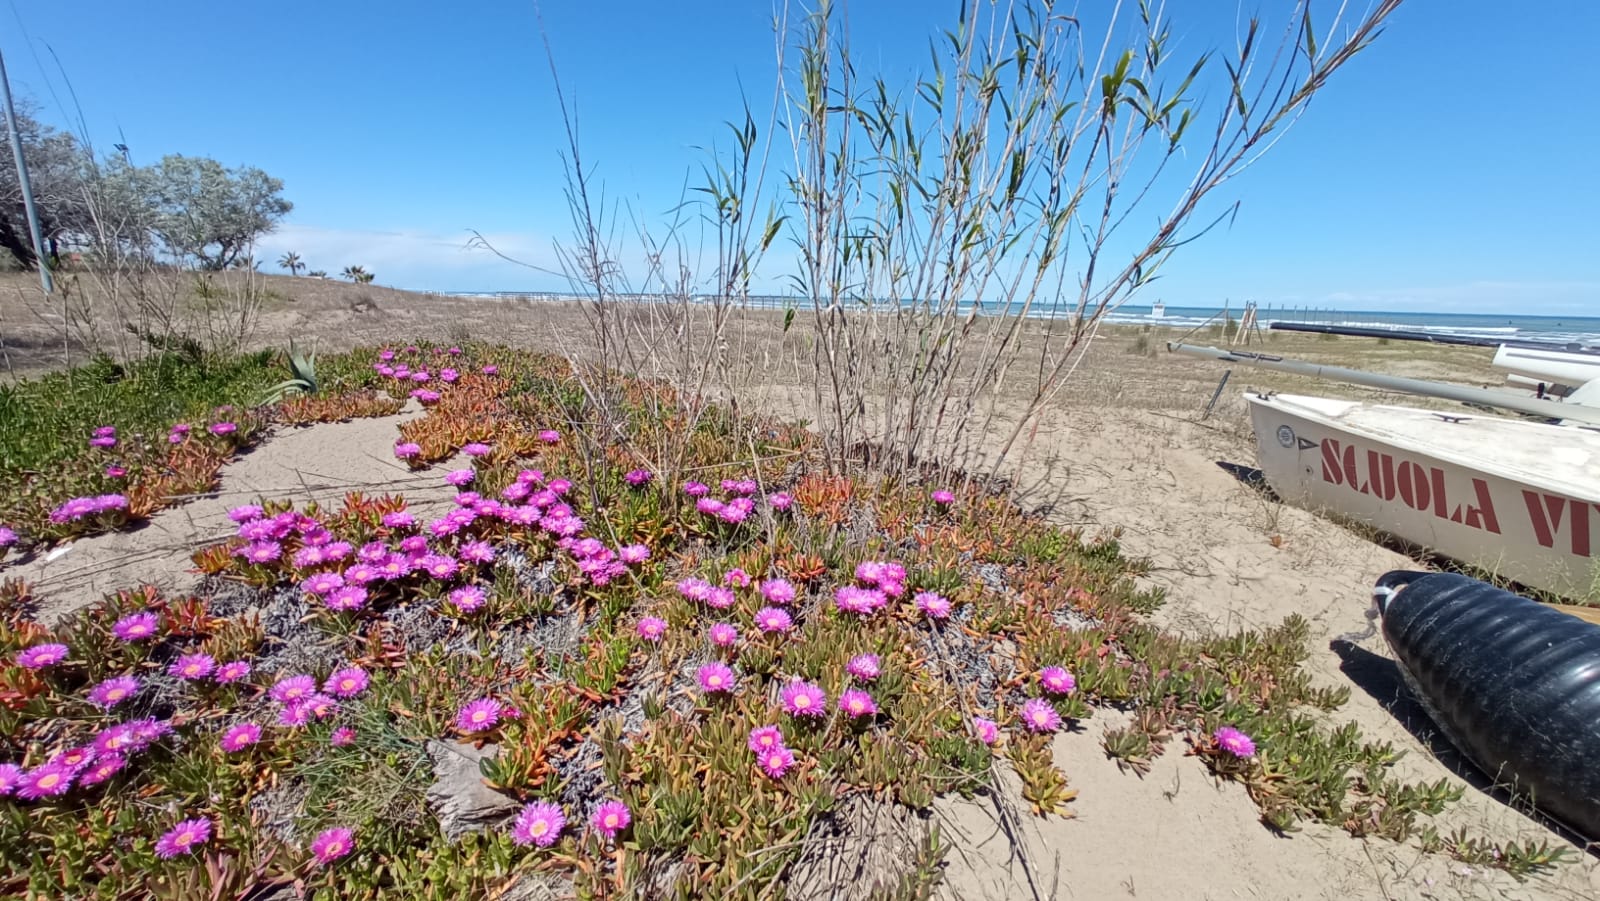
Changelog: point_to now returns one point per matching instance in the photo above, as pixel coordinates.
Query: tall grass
(956, 241)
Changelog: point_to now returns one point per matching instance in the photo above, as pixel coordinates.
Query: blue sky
(1447, 168)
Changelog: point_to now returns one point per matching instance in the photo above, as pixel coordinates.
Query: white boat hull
(1514, 498)
(1549, 366)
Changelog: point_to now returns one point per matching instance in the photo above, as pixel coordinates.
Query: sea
(1565, 330)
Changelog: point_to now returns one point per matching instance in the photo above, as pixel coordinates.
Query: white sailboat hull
(1516, 498)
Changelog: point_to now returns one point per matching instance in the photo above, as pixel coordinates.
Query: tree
(209, 214)
(357, 274)
(291, 262)
(57, 166)
(317, 273)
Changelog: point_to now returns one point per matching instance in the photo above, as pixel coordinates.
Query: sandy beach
(1126, 446)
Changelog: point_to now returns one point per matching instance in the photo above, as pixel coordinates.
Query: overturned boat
(1517, 498)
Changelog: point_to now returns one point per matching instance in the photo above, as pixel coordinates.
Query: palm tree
(365, 277)
(317, 273)
(353, 273)
(291, 262)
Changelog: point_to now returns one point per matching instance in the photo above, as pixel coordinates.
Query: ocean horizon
(1559, 329)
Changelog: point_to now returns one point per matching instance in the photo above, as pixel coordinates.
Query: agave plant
(303, 376)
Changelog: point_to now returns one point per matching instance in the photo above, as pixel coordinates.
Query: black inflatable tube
(1512, 683)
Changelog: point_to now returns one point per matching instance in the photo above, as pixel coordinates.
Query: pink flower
(342, 737)
(933, 606)
(346, 683)
(715, 677)
(468, 598)
(779, 500)
(491, 369)
(943, 498)
(550, 436)
(1057, 681)
(41, 655)
(460, 477)
(765, 738)
(475, 449)
(293, 688)
(294, 714)
(771, 619)
(720, 598)
(399, 519)
(183, 838)
(102, 442)
(74, 759)
(865, 667)
(115, 472)
(736, 578)
(778, 591)
(610, 818)
(240, 737)
(1235, 742)
(776, 761)
(723, 635)
(332, 844)
(350, 597)
(192, 666)
(8, 538)
(479, 715)
(695, 589)
(696, 489)
(322, 583)
(634, 553)
(804, 699)
(114, 691)
(860, 601)
(10, 778)
(407, 450)
(104, 768)
(223, 428)
(638, 477)
(540, 823)
(1039, 716)
(246, 513)
(106, 431)
(986, 730)
(263, 551)
(440, 566)
(321, 706)
(857, 703)
(45, 781)
(232, 671)
(135, 627)
(652, 628)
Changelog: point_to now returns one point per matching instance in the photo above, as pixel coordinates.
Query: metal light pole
(22, 180)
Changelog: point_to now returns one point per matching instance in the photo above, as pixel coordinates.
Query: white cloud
(417, 259)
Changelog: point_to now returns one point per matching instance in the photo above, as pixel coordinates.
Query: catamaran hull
(1438, 482)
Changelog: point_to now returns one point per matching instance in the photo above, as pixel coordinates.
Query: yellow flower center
(479, 716)
(185, 838)
(802, 701)
(539, 827)
(49, 780)
(611, 821)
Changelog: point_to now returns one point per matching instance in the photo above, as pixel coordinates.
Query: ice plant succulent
(987, 731)
(346, 683)
(291, 688)
(771, 619)
(723, 635)
(765, 738)
(933, 606)
(1235, 742)
(539, 823)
